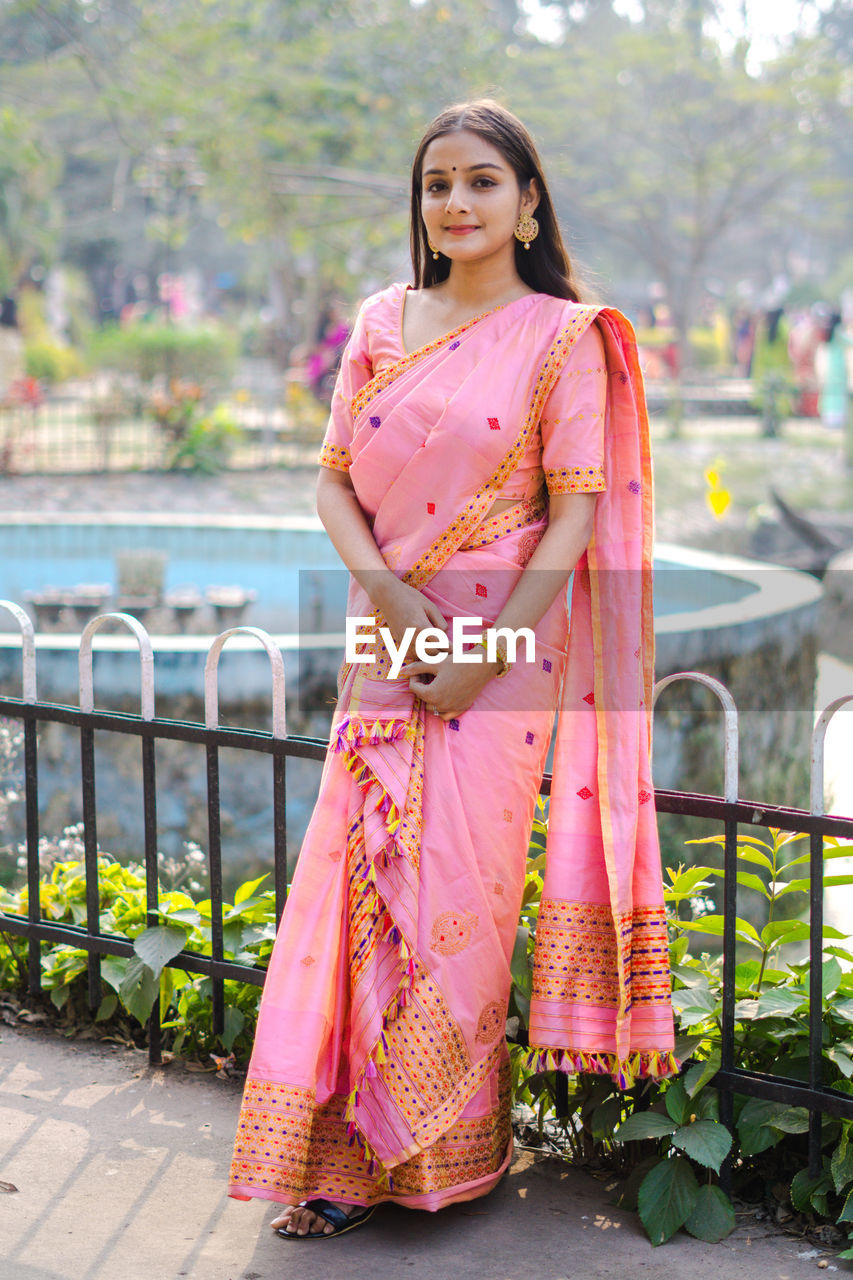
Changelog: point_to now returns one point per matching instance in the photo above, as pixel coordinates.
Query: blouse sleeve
(355, 371)
(572, 421)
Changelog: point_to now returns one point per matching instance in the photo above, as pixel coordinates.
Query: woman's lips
(460, 231)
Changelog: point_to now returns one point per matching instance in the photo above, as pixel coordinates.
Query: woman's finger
(436, 617)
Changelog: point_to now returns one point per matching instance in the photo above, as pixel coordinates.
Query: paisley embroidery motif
(490, 1023)
(451, 932)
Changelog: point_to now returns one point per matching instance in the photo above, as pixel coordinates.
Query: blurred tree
(668, 152)
(29, 172)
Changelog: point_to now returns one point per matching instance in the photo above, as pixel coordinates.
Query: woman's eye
(433, 187)
(485, 182)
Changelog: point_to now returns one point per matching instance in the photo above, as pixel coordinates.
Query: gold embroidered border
(576, 956)
(288, 1145)
(526, 512)
(385, 377)
(471, 516)
(575, 479)
(336, 456)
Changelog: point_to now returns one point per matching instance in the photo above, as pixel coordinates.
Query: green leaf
(713, 924)
(59, 996)
(686, 1046)
(781, 1001)
(713, 1217)
(790, 1120)
(235, 1021)
(686, 881)
(841, 1164)
(804, 1187)
(693, 998)
(644, 1124)
(247, 890)
(832, 975)
(519, 965)
(842, 852)
(754, 1126)
(751, 881)
(755, 856)
(786, 931)
(107, 1007)
(630, 1189)
(698, 1075)
(705, 1141)
(113, 970)
(677, 1102)
(667, 1198)
(678, 950)
(139, 989)
(842, 1060)
(846, 1214)
(157, 946)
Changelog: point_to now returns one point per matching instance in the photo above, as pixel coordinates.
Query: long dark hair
(546, 266)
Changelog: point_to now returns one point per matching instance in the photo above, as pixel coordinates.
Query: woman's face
(470, 197)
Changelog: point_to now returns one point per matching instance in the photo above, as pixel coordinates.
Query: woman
(380, 1069)
(832, 373)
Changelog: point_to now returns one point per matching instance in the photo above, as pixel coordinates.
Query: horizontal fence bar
(813, 1096)
(693, 805)
(109, 944)
(177, 730)
(782, 1089)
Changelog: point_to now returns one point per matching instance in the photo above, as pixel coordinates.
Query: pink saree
(380, 1069)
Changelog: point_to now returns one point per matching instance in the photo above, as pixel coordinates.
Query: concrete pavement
(120, 1175)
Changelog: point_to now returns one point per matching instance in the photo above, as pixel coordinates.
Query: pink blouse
(565, 452)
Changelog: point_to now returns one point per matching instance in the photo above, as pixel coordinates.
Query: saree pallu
(380, 1069)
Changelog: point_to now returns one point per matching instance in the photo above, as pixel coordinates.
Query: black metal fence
(732, 812)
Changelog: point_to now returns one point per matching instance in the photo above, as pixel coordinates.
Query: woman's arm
(455, 686)
(345, 522)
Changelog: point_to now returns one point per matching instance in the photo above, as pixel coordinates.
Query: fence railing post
(817, 807)
(730, 790)
(214, 828)
(28, 695)
(90, 821)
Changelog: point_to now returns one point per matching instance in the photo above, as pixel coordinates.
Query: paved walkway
(120, 1174)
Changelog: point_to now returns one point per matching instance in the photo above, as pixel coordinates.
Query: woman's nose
(457, 198)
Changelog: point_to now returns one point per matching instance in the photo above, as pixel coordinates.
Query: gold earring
(433, 249)
(527, 229)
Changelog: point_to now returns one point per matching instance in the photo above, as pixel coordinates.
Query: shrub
(51, 362)
(166, 351)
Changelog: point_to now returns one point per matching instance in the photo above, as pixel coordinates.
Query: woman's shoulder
(377, 305)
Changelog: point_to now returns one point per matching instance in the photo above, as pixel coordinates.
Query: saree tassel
(370, 1070)
(371, 1169)
(410, 968)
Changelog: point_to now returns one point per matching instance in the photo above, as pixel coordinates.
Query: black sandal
(335, 1217)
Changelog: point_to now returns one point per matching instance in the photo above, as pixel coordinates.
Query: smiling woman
(488, 435)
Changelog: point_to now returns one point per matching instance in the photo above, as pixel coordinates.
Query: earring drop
(433, 250)
(527, 229)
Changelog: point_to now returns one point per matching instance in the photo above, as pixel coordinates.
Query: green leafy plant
(131, 984)
(666, 1136)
